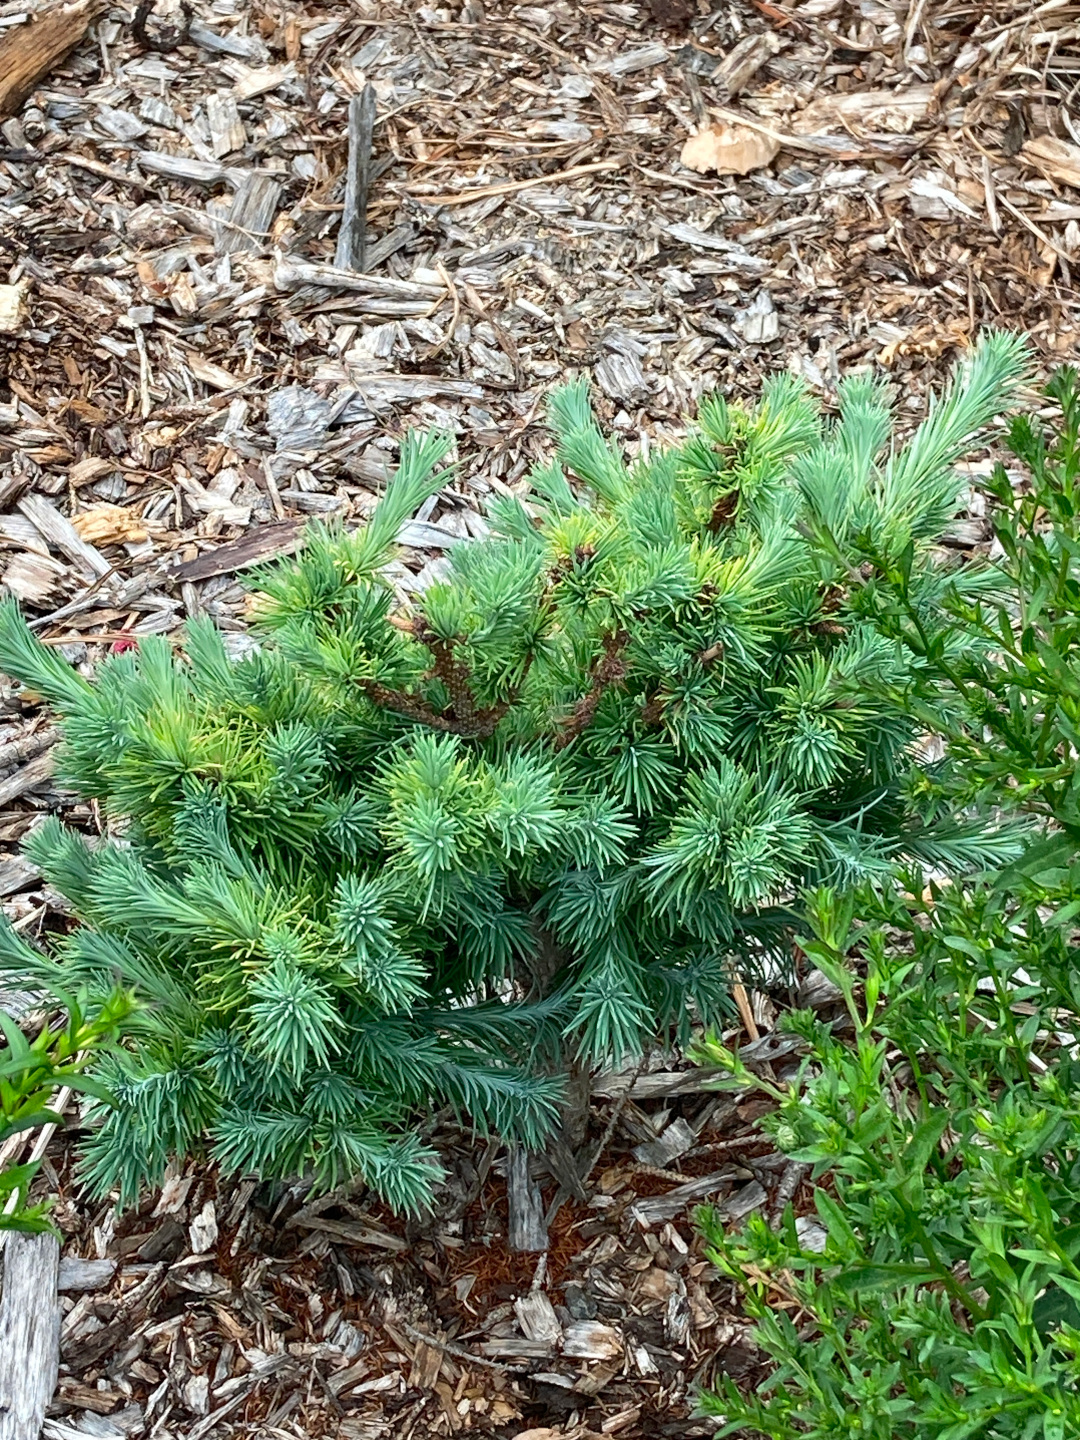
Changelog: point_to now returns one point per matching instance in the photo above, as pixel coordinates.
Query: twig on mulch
(170, 39)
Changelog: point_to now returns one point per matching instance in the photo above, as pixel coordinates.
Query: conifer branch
(609, 670)
(413, 707)
(455, 676)
(724, 512)
(465, 717)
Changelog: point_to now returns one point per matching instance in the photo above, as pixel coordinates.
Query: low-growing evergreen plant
(410, 847)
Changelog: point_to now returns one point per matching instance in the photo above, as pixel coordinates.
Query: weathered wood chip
(750, 1197)
(59, 531)
(258, 545)
(291, 274)
(536, 1316)
(13, 312)
(652, 1210)
(16, 874)
(655, 1086)
(27, 777)
(29, 52)
(245, 225)
(227, 131)
(33, 579)
(110, 525)
(216, 376)
(77, 1274)
(592, 1340)
(528, 1230)
(675, 1141)
(353, 1233)
(203, 1232)
(180, 167)
(29, 1332)
(244, 47)
(427, 1362)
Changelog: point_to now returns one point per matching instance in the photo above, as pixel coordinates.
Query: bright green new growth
(31, 1074)
(388, 860)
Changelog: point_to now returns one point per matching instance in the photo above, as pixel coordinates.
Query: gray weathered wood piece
(245, 225)
(34, 773)
(352, 237)
(25, 747)
(655, 1208)
(388, 245)
(292, 274)
(59, 531)
(180, 167)
(29, 1332)
(79, 1274)
(227, 131)
(536, 1316)
(528, 1230)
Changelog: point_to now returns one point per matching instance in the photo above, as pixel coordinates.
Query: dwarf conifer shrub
(408, 848)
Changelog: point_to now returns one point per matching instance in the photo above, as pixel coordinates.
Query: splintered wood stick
(29, 52)
(29, 1332)
(746, 1014)
(352, 237)
(29, 1310)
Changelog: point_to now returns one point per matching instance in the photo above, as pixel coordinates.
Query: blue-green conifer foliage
(412, 849)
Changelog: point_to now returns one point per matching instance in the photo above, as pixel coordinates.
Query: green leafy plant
(943, 1124)
(408, 849)
(942, 1298)
(32, 1071)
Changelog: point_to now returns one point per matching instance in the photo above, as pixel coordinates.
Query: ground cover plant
(33, 1071)
(942, 1121)
(408, 855)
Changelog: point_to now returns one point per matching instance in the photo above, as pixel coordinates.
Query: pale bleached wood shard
(77, 1274)
(180, 167)
(245, 225)
(58, 530)
(292, 274)
(26, 747)
(13, 311)
(243, 47)
(592, 1340)
(536, 1316)
(226, 128)
(34, 579)
(29, 1332)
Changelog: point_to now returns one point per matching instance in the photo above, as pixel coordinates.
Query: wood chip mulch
(225, 1307)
